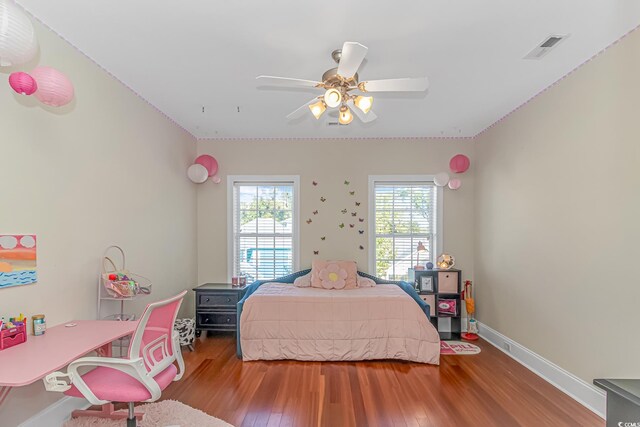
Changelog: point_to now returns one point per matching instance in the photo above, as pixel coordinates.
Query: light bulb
(317, 109)
(345, 116)
(332, 97)
(364, 103)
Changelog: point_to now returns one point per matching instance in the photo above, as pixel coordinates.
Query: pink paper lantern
(459, 163)
(455, 183)
(208, 162)
(23, 83)
(54, 88)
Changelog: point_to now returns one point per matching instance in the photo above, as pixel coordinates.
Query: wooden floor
(488, 389)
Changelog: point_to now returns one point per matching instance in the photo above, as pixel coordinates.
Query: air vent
(545, 47)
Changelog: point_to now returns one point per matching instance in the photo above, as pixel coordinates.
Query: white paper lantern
(18, 43)
(197, 173)
(441, 179)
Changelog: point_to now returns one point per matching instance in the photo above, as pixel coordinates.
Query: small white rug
(160, 414)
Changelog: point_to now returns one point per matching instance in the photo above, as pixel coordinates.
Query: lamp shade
(18, 43)
(54, 88)
(23, 83)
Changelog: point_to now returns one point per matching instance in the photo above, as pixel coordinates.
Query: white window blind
(263, 229)
(405, 213)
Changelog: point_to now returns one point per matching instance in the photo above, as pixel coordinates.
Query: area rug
(458, 348)
(160, 414)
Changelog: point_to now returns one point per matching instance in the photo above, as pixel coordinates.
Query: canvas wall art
(17, 260)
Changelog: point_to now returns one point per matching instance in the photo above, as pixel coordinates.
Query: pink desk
(39, 356)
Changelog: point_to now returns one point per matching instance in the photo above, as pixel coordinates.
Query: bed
(388, 321)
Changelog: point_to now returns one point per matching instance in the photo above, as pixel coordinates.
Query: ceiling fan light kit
(345, 116)
(332, 97)
(364, 103)
(338, 82)
(318, 108)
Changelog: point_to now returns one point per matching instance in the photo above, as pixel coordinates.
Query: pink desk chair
(141, 377)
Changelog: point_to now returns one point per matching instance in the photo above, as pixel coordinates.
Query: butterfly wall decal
(315, 212)
(351, 225)
(323, 238)
(309, 221)
(353, 193)
(361, 231)
(361, 219)
(354, 213)
(314, 183)
(361, 247)
(346, 182)
(357, 203)
(341, 225)
(344, 211)
(316, 252)
(322, 199)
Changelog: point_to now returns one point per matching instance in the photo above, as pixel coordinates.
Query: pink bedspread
(281, 321)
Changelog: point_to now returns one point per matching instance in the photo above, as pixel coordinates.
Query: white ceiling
(183, 55)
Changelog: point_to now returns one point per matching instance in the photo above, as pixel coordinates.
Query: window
(405, 210)
(263, 228)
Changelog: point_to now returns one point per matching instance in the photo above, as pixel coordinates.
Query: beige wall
(557, 211)
(108, 169)
(330, 163)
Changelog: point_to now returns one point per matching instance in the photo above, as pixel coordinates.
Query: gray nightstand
(216, 307)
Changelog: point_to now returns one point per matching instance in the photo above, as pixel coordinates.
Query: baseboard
(588, 395)
(56, 414)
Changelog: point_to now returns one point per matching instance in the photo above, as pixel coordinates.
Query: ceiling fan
(339, 82)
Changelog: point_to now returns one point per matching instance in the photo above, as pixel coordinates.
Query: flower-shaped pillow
(334, 274)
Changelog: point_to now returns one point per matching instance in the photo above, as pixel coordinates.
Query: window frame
(266, 179)
(439, 237)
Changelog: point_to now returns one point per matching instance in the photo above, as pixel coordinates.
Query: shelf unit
(103, 295)
(446, 285)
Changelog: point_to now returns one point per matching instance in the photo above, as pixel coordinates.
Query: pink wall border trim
(106, 71)
(330, 138)
(555, 83)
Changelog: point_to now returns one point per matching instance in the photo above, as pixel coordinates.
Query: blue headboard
(406, 286)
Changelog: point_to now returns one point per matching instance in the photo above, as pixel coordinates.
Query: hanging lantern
(197, 173)
(441, 179)
(459, 163)
(18, 43)
(454, 184)
(54, 88)
(23, 83)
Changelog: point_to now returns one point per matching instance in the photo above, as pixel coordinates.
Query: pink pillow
(334, 274)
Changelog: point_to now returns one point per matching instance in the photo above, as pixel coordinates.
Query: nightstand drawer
(448, 282)
(218, 320)
(218, 300)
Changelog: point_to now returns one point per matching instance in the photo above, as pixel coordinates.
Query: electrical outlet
(507, 346)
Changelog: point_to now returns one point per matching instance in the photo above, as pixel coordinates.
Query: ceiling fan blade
(286, 81)
(418, 84)
(364, 117)
(302, 110)
(352, 56)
